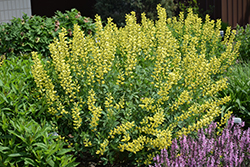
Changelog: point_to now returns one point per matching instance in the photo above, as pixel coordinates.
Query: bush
(35, 33)
(229, 149)
(118, 9)
(243, 36)
(123, 94)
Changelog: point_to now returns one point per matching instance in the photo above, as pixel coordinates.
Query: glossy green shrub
(35, 33)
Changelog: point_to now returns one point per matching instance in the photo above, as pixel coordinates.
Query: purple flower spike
(232, 148)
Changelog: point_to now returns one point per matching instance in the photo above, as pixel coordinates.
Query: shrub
(35, 33)
(118, 9)
(243, 36)
(229, 149)
(126, 93)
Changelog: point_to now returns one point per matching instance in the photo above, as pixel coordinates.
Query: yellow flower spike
(180, 65)
(102, 147)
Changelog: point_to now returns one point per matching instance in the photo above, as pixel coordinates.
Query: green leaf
(72, 164)
(51, 162)
(4, 148)
(64, 151)
(1, 83)
(28, 161)
(41, 145)
(3, 96)
(19, 136)
(18, 154)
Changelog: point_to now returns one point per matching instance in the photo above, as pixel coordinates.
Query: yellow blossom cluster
(102, 147)
(62, 68)
(2, 58)
(102, 77)
(148, 104)
(45, 85)
(87, 143)
(223, 121)
(109, 105)
(96, 111)
(121, 129)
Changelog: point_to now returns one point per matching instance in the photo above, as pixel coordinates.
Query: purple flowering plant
(231, 148)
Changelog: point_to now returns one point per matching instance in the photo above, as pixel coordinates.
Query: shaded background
(49, 7)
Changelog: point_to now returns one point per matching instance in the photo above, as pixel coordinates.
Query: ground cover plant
(126, 93)
(231, 148)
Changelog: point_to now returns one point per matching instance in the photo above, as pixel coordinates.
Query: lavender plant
(231, 148)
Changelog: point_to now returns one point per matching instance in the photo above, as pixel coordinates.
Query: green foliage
(243, 36)
(26, 143)
(184, 5)
(35, 33)
(18, 94)
(68, 19)
(239, 91)
(118, 9)
(224, 26)
(125, 93)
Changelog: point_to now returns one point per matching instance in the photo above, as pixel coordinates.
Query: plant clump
(126, 93)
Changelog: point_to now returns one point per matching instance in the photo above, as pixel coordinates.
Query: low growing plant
(231, 148)
(26, 143)
(126, 93)
(239, 91)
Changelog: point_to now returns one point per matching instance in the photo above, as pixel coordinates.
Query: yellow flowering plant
(128, 92)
